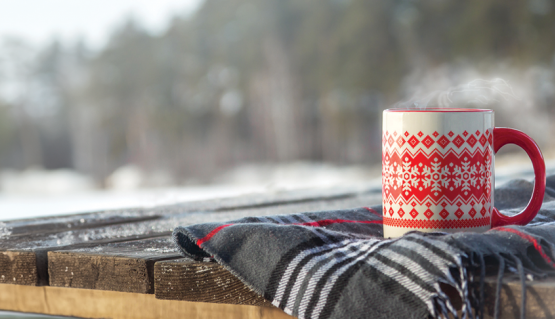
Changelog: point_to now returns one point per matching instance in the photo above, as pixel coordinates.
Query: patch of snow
(39, 181)
(131, 177)
(5, 231)
(161, 250)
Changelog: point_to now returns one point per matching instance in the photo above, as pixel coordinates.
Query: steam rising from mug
(477, 93)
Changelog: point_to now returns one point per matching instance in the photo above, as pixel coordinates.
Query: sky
(40, 21)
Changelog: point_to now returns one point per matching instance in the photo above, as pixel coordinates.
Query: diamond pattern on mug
(472, 140)
(413, 213)
(454, 175)
(458, 141)
(459, 213)
(413, 141)
(444, 213)
(390, 141)
(428, 141)
(483, 140)
(443, 141)
(461, 177)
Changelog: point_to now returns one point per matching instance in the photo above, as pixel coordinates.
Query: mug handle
(501, 137)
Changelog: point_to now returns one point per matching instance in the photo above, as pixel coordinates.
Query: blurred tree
(264, 81)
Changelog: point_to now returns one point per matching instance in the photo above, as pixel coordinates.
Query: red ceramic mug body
(438, 171)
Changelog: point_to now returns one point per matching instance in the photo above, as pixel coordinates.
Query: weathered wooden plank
(184, 279)
(540, 298)
(25, 262)
(86, 303)
(18, 267)
(126, 266)
(54, 224)
(134, 260)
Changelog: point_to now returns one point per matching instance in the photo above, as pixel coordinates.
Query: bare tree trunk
(30, 140)
(274, 105)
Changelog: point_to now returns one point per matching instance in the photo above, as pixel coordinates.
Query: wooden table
(123, 264)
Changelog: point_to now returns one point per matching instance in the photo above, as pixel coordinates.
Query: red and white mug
(438, 172)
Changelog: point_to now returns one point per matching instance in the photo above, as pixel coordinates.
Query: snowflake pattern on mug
(452, 170)
(451, 176)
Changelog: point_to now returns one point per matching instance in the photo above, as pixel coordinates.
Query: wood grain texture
(127, 266)
(86, 303)
(188, 280)
(54, 224)
(109, 266)
(540, 298)
(18, 268)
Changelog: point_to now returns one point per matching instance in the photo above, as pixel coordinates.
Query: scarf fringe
(473, 300)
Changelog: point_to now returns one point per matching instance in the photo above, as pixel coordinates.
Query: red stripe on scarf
(532, 240)
(320, 223)
(326, 222)
(211, 234)
(373, 211)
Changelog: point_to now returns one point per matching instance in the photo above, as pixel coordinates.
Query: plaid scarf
(336, 264)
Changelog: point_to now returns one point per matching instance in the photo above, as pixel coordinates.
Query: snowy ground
(24, 199)
(250, 179)
(16, 206)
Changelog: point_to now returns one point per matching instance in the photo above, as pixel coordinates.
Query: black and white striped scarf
(336, 264)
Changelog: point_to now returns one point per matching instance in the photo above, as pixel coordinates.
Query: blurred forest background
(272, 81)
